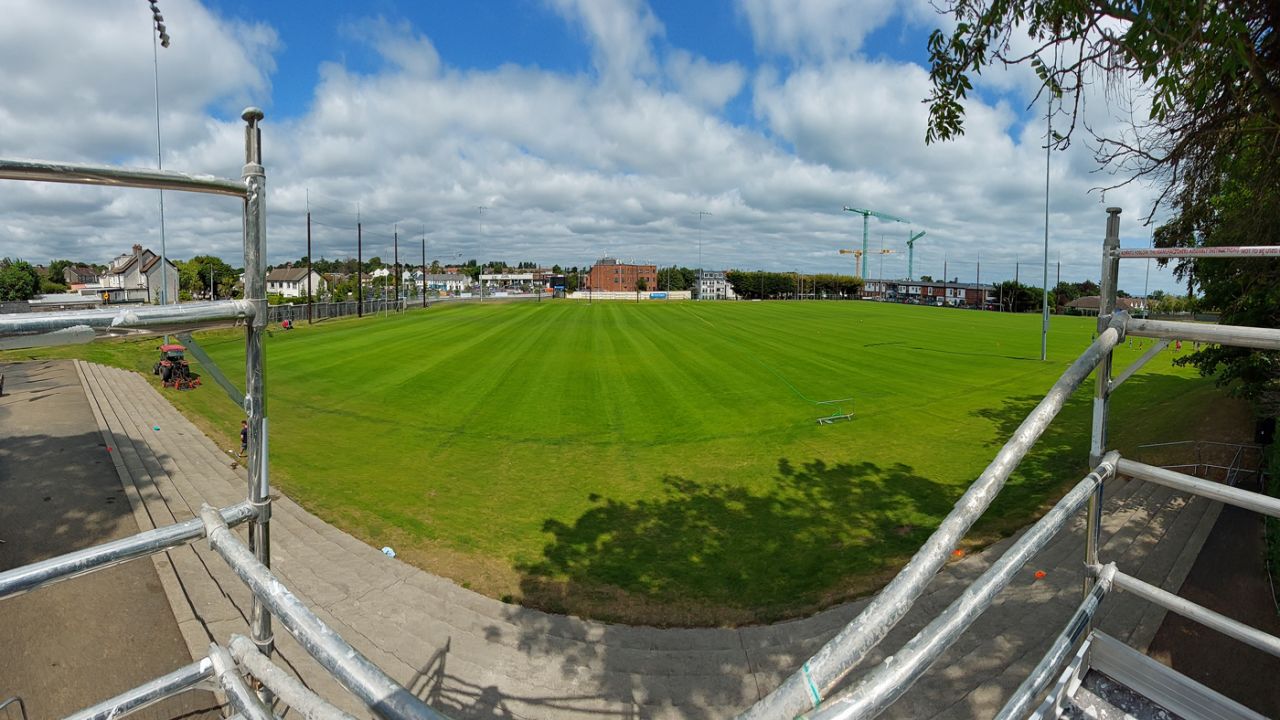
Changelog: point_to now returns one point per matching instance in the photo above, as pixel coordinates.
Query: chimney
(137, 250)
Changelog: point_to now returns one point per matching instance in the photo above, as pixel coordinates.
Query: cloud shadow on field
(716, 553)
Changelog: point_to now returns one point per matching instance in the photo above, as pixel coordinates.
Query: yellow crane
(857, 258)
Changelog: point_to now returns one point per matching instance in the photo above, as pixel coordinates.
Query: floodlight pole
(159, 37)
(701, 213)
(395, 260)
(1044, 303)
(424, 266)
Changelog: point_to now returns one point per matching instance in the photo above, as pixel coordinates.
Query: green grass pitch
(662, 462)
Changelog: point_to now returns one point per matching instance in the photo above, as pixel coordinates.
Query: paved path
(472, 656)
(71, 645)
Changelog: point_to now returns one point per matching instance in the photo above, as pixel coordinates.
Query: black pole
(1017, 286)
(395, 239)
(309, 267)
(360, 270)
(424, 269)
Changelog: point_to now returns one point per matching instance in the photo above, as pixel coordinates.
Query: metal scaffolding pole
(255, 284)
(805, 689)
(1102, 389)
(74, 564)
(190, 677)
(386, 697)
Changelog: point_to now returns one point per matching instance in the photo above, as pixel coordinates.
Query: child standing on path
(244, 437)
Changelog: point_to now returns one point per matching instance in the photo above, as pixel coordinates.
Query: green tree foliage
(56, 275)
(18, 280)
(194, 276)
(762, 285)
(1210, 138)
(677, 278)
(1065, 292)
(344, 288)
(1013, 296)
(1244, 291)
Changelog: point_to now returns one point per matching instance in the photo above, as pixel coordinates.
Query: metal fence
(302, 312)
(1229, 463)
(816, 688)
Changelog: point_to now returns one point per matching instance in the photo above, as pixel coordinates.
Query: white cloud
(570, 166)
(814, 29)
(620, 32)
(703, 82)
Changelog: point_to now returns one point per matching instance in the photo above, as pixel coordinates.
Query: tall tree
(18, 280)
(1210, 138)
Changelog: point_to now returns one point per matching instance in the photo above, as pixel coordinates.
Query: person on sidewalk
(244, 437)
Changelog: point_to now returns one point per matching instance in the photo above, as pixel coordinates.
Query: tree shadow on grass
(716, 553)
(1146, 409)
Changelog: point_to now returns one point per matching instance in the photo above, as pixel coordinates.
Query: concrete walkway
(474, 657)
(66, 647)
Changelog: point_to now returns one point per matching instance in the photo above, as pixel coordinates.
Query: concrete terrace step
(473, 656)
(211, 601)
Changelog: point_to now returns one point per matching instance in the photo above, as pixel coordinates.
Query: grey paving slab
(68, 646)
(475, 657)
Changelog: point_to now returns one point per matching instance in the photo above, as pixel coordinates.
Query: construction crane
(867, 214)
(911, 250)
(857, 256)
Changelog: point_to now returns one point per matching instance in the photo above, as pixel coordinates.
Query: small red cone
(1040, 574)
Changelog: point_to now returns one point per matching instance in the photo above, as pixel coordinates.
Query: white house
(713, 285)
(291, 282)
(141, 270)
(444, 282)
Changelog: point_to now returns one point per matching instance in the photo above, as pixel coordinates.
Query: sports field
(661, 462)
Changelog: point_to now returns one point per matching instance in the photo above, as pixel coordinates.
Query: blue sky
(589, 127)
(486, 35)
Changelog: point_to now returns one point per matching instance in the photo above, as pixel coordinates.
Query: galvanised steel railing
(815, 688)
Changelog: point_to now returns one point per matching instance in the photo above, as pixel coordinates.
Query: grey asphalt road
(70, 645)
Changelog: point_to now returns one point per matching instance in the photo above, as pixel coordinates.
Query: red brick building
(610, 275)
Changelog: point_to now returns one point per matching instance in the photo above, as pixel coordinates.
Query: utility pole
(1017, 266)
(308, 257)
(481, 208)
(359, 265)
(395, 259)
(424, 266)
(881, 270)
(982, 294)
(1146, 283)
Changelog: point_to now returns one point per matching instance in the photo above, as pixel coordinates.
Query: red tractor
(173, 369)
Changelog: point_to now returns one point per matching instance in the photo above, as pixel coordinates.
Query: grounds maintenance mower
(173, 369)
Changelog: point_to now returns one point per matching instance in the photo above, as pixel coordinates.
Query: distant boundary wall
(647, 295)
